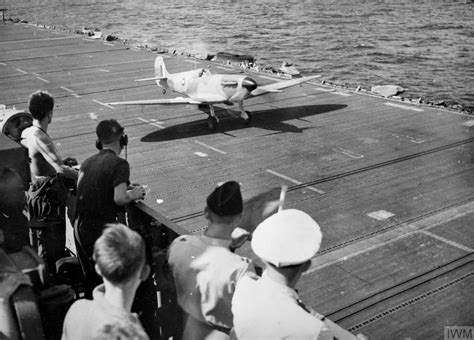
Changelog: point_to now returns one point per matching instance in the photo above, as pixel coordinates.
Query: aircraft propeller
(249, 84)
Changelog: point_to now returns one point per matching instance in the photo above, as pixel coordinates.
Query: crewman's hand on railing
(70, 161)
(138, 192)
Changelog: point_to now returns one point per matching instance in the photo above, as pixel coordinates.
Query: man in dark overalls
(103, 189)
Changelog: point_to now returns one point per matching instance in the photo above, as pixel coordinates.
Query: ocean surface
(427, 47)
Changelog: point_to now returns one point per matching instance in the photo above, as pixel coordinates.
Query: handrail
(158, 299)
(160, 218)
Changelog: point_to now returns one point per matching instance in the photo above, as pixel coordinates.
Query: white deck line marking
(354, 254)
(21, 71)
(348, 153)
(344, 94)
(66, 89)
(103, 104)
(389, 237)
(42, 79)
(321, 88)
(410, 138)
(200, 154)
(157, 125)
(102, 70)
(210, 147)
(445, 240)
(380, 215)
(3, 64)
(292, 180)
(156, 121)
(151, 123)
(404, 107)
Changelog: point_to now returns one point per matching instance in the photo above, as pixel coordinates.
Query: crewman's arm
(122, 196)
(238, 238)
(51, 155)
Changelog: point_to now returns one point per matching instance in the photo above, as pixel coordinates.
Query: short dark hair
(215, 218)
(40, 104)
(119, 252)
(109, 131)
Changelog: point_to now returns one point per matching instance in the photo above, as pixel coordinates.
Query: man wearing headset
(103, 189)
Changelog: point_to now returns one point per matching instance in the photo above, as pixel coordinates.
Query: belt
(44, 222)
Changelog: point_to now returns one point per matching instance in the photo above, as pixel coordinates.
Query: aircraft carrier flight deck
(391, 183)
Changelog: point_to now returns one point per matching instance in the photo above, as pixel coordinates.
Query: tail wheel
(164, 91)
(212, 123)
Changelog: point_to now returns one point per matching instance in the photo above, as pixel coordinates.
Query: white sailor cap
(289, 237)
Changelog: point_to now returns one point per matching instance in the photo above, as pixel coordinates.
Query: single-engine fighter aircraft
(203, 88)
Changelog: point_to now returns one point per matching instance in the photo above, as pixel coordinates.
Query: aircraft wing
(277, 87)
(173, 101)
(150, 79)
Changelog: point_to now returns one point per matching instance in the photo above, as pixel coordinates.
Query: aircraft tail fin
(160, 68)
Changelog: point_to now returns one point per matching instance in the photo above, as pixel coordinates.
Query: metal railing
(158, 298)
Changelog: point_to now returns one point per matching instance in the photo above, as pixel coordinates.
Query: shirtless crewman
(46, 196)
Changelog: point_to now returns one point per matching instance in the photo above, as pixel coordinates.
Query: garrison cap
(109, 131)
(289, 237)
(226, 199)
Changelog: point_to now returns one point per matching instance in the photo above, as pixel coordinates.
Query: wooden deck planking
(423, 318)
(374, 271)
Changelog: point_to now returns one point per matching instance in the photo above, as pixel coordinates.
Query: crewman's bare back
(40, 146)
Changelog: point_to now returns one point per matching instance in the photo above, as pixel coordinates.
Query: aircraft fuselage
(200, 85)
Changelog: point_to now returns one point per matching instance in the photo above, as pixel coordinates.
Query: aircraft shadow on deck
(272, 119)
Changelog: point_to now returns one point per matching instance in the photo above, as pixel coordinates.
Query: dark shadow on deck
(273, 119)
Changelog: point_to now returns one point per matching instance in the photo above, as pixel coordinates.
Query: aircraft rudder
(160, 68)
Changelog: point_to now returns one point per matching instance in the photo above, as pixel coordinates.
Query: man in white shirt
(269, 307)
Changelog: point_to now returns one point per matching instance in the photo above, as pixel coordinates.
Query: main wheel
(249, 119)
(212, 123)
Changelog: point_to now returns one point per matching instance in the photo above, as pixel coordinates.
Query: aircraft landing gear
(163, 91)
(212, 123)
(249, 117)
(245, 115)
